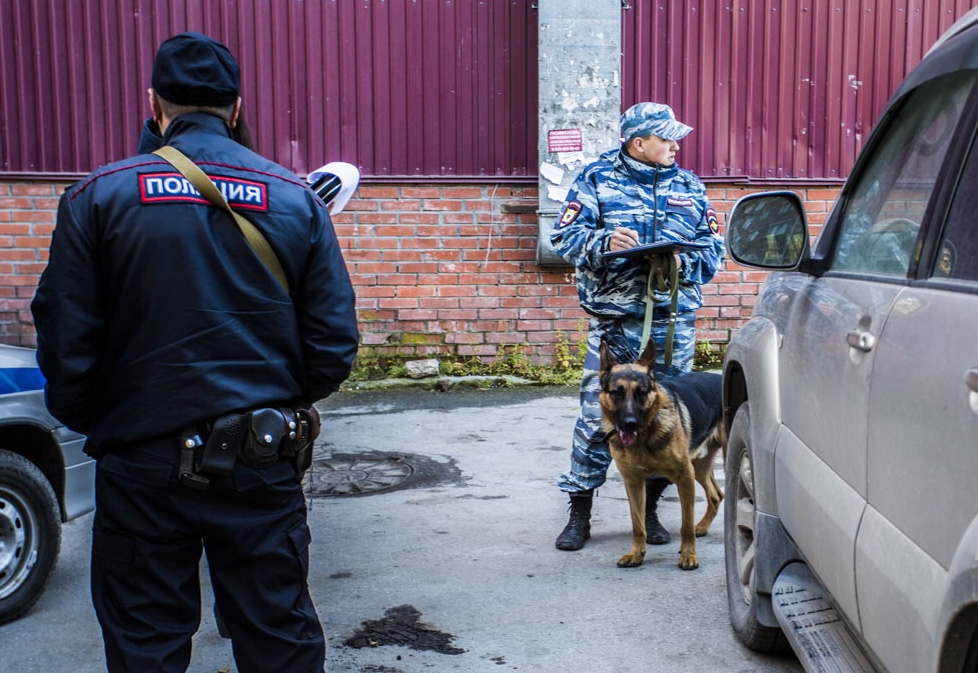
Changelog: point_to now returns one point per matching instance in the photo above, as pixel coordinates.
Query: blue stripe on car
(20, 379)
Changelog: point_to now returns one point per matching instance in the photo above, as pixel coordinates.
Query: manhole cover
(354, 475)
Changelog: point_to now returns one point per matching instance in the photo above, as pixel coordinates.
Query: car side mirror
(768, 231)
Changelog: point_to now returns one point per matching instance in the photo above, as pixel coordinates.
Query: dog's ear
(607, 359)
(647, 358)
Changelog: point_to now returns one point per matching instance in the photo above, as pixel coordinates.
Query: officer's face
(655, 150)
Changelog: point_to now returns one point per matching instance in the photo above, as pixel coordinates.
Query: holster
(200, 461)
(307, 430)
(223, 445)
(268, 435)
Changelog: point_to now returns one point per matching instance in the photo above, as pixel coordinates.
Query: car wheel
(740, 543)
(30, 534)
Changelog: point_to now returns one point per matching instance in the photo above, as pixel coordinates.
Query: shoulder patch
(174, 187)
(711, 219)
(571, 211)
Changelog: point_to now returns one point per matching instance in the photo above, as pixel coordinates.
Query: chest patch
(679, 202)
(174, 188)
(571, 212)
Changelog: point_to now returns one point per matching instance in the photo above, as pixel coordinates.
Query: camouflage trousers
(590, 456)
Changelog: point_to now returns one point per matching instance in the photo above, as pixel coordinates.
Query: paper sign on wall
(565, 140)
(552, 173)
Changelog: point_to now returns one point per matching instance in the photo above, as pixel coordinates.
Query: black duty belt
(258, 438)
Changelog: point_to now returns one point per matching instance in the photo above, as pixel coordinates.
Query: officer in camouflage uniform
(632, 195)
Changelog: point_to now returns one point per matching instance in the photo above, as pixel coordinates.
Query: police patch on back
(174, 187)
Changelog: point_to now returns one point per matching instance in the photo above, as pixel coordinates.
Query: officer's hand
(622, 238)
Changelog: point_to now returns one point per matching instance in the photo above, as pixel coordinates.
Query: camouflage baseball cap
(644, 119)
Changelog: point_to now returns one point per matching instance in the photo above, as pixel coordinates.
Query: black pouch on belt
(263, 441)
(309, 426)
(223, 444)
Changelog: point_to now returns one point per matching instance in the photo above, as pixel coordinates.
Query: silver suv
(45, 479)
(851, 397)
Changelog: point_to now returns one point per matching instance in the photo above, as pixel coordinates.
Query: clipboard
(667, 247)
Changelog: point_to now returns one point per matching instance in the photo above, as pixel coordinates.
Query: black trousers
(149, 533)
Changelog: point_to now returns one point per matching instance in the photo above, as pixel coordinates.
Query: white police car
(45, 479)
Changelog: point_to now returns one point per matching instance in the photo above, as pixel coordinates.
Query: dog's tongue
(627, 438)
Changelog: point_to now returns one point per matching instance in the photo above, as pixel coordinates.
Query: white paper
(557, 193)
(568, 158)
(552, 173)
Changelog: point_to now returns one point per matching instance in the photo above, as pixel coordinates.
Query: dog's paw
(631, 560)
(700, 531)
(688, 560)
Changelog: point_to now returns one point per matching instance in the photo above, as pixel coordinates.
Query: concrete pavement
(455, 551)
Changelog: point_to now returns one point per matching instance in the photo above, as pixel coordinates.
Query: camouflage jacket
(661, 204)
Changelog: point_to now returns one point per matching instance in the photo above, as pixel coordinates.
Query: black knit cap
(193, 69)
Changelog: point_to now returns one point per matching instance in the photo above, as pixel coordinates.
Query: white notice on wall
(552, 173)
(570, 158)
(557, 193)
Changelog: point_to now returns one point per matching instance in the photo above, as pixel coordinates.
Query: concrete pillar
(580, 99)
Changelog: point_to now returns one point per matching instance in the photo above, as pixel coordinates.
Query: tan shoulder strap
(209, 191)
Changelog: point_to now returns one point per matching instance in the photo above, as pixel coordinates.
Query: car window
(957, 255)
(878, 231)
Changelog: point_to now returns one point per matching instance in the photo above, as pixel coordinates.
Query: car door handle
(861, 340)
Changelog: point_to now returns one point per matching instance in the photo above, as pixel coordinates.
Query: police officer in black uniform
(168, 341)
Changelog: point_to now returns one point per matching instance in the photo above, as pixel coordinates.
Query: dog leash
(663, 277)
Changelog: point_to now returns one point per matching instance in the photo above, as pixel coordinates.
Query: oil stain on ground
(402, 626)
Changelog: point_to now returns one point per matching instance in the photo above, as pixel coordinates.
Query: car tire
(740, 543)
(30, 534)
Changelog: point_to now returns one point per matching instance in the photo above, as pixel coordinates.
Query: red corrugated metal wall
(399, 87)
(776, 89)
(446, 89)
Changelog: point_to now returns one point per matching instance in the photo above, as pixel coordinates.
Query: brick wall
(27, 214)
(442, 270)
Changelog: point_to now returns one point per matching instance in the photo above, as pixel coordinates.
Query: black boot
(578, 529)
(654, 532)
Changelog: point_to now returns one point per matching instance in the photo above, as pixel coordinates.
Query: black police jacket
(154, 313)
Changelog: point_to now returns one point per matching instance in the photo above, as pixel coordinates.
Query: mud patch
(402, 626)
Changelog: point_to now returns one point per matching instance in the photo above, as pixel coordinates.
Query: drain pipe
(579, 67)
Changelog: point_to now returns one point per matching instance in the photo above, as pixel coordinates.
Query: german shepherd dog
(672, 429)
